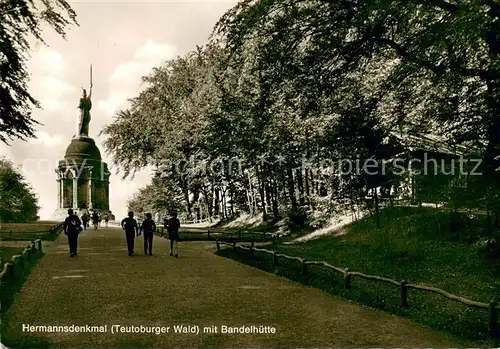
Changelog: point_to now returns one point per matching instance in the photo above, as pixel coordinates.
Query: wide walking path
(104, 286)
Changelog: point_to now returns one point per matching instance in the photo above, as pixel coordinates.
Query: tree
(18, 202)
(20, 20)
(433, 64)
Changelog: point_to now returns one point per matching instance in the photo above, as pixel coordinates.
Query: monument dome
(82, 176)
(82, 148)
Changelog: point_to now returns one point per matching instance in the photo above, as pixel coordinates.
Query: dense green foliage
(21, 21)
(18, 202)
(288, 94)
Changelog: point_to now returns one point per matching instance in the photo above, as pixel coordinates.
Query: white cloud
(46, 61)
(127, 72)
(51, 92)
(46, 140)
(116, 100)
(155, 52)
(125, 81)
(48, 84)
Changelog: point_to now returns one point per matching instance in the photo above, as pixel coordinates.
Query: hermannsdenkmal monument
(82, 176)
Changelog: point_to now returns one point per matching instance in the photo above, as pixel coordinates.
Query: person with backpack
(72, 227)
(131, 228)
(148, 226)
(172, 227)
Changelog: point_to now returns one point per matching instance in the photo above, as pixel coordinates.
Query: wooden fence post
(208, 233)
(494, 332)
(27, 254)
(347, 279)
(22, 262)
(30, 252)
(39, 245)
(404, 294)
(218, 244)
(252, 252)
(10, 270)
(275, 258)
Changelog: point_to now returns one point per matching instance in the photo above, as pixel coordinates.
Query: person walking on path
(131, 228)
(72, 227)
(95, 219)
(172, 227)
(106, 219)
(148, 226)
(85, 220)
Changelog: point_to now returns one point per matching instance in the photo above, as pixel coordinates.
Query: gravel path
(104, 286)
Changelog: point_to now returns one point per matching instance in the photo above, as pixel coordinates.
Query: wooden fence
(19, 263)
(227, 235)
(492, 307)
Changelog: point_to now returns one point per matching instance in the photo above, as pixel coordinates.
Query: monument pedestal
(83, 180)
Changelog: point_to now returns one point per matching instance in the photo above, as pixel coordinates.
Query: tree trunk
(232, 203)
(300, 186)
(275, 198)
(185, 191)
(377, 210)
(260, 183)
(216, 201)
(208, 201)
(291, 188)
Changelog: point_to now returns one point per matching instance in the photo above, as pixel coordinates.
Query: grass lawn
(28, 231)
(416, 245)
(6, 254)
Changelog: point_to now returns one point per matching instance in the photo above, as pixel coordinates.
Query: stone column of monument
(90, 198)
(75, 189)
(89, 173)
(58, 189)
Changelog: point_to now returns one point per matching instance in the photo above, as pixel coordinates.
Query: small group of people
(73, 226)
(96, 219)
(148, 228)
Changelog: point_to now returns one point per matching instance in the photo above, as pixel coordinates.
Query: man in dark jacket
(148, 226)
(72, 227)
(131, 228)
(173, 226)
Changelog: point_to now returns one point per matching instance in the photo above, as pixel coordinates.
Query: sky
(123, 40)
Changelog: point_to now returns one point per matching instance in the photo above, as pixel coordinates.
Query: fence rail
(215, 234)
(492, 306)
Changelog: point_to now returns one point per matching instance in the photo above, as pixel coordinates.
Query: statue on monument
(84, 111)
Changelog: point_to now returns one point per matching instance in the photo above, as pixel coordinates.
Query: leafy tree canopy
(20, 21)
